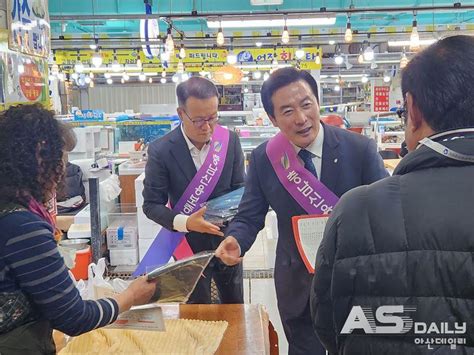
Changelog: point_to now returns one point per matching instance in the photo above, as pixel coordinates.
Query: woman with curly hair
(36, 291)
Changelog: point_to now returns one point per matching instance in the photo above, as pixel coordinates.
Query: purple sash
(197, 192)
(310, 193)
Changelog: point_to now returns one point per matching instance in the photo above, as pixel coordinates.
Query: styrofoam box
(79, 230)
(123, 257)
(122, 237)
(139, 190)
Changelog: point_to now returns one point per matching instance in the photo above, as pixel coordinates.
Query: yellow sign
(196, 59)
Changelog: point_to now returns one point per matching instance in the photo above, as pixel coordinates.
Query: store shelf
(394, 133)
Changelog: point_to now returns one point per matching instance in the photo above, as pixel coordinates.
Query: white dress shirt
(315, 148)
(199, 156)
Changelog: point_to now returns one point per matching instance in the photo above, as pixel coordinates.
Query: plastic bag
(221, 210)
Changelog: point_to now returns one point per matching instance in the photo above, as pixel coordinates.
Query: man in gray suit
(173, 161)
(335, 161)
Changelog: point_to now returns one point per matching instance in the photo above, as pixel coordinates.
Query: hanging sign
(381, 98)
(195, 58)
(25, 78)
(28, 23)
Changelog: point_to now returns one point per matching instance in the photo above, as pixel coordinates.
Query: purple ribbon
(310, 193)
(197, 192)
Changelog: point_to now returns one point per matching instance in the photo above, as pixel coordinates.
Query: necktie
(307, 158)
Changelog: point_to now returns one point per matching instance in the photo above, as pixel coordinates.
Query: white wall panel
(118, 98)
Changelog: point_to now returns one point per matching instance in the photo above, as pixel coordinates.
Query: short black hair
(441, 81)
(196, 86)
(283, 77)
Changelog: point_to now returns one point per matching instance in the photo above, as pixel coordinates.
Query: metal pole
(96, 230)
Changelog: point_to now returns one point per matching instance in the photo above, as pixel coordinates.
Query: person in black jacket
(406, 242)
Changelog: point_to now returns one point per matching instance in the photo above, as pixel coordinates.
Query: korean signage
(25, 78)
(195, 58)
(29, 27)
(381, 98)
(88, 115)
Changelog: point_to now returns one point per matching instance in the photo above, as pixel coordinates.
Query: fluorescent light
(423, 42)
(332, 42)
(258, 44)
(254, 21)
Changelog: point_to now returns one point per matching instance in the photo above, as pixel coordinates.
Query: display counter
(249, 330)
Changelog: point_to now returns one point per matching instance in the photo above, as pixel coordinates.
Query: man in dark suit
(342, 160)
(173, 161)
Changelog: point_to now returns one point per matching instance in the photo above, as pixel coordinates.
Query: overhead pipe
(195, 15)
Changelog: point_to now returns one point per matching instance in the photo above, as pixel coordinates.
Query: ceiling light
(414, 37)
(245, 78)
(254, 21)
(150, 80)
(79, 67)
(403, 61)
(231, 58)
(163, 74)
(139, 63)
(220, 40)
(115, 66)
(91, 85)
(348, 33)
(373, 65)
(91, 75)
(332, 43)
(338, 59)
(180, 67)
(182, 52)
(107, 75)
(163, 80)
(122, 81)
(165, 56)
(266, 76)
(125, 76)
(142, 76)
(364, 79)
(275, 62)
(87, 80)
(360, 58)
(93, 46)
(109, 81)
(386, 78)
(422, 42)
(337, 88)
(97, 59)
(258, 44)
(317, 60)
(175, 78)
(246, 90)
(257, 75)
(299, 53)
(369, 54)
(169, 41)
(285, 36)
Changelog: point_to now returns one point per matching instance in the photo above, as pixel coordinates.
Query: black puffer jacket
(405, 240)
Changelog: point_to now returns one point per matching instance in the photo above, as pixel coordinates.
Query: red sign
(31, 82)
(381, 98)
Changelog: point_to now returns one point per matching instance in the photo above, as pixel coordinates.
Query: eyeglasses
(199, 122)
(402, 113)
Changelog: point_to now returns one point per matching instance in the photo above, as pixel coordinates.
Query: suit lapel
(180, 152)
(331, 159)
